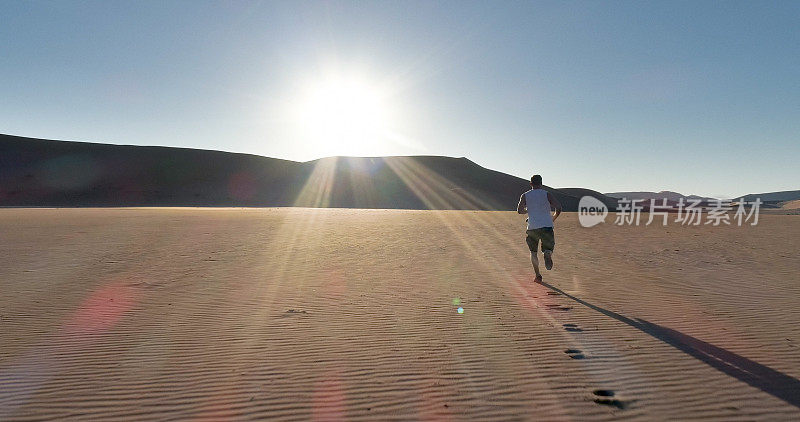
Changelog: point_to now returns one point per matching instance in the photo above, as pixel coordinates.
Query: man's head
(536, 180)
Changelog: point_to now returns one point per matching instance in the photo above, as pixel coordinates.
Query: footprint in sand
(573, 328)
(606, 397)
(575, 354)
(559, 307)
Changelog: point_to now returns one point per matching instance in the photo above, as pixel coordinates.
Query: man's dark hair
(536, 179)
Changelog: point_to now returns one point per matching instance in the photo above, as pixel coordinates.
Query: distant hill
(37, 172)
(609, 201)
(664, 194)
(782, 196)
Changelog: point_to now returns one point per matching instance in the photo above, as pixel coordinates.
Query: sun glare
(344, 115)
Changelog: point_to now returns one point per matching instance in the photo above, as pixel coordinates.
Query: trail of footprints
(601, 396)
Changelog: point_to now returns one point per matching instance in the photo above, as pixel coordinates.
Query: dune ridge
(41, 173)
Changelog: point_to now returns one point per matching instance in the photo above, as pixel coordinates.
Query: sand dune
(45, 173)
(332, 314)
(787, 195)
(791, 205)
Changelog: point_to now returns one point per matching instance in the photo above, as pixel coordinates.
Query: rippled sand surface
(326, 314)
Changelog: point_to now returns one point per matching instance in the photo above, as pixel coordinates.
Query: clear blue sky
(697, 97)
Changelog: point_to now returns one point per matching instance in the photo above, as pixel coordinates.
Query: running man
(537, 203)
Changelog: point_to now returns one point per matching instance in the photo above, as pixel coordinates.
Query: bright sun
(344, 115)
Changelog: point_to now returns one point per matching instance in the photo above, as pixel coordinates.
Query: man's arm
(554, 204)
(522, 206)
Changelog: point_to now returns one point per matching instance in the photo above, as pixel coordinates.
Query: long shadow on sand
(764, 378)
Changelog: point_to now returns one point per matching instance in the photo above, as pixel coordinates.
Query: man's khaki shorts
(545, 235)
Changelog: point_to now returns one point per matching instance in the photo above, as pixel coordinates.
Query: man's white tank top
(538, 209)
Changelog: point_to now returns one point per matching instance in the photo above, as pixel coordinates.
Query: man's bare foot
(548, 261)
(538, 278)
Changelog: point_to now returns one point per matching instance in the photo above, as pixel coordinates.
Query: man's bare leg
(548, 259)
(535, 262)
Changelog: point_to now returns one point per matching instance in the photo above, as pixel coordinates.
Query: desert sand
(340, 314)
